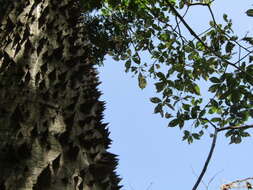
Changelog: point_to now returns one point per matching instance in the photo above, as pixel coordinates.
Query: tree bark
(51, 131)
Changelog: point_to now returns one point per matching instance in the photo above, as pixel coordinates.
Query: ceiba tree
(52, 135)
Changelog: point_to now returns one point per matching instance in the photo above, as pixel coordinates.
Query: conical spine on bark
(51, 131)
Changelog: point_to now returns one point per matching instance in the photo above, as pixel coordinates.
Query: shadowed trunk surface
(51, 134)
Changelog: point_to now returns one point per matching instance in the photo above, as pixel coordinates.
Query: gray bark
(51, 131)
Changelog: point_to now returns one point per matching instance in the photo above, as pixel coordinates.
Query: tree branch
(235, 127)
(212, 15)
(207, 161)
(193, 4)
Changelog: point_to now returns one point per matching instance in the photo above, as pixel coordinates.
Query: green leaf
(235, 97)
(194, 113)
(197, 89)
(215, 80)
(190, 139)
(216, 119)
(229, 47)
(225, 17)
(161, 76)
(160, 86)
(167, 115)
(212, 110)
(152, 69)
(214, 103)
(173, 123)
(186, 107)
(250, 59)
(127, 65)
(249, 40)
(245, 134)
(202, 113)
(181, 123)
(229, 133)
(159, 109)
(155, 100)
(196, 136)
(249, 12)
(142, 81)
(167, 92)
(172, 1)
(214, 88)
(136, 59)
(186, 135)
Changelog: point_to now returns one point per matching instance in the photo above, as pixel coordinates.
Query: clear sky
(154, 157)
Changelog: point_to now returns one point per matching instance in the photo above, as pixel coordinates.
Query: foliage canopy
(180, 64)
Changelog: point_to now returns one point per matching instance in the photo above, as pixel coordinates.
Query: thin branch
(150, 185)
(202, 181)
(211, 12)
(210, 181)
(179, 31)
(207, 161)
(250, 52)
(245, 48)
(239, 54)
(210, 123)
(200, 34)
(235, 127)
(183, 17)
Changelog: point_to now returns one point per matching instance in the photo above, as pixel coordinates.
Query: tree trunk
(51, 131)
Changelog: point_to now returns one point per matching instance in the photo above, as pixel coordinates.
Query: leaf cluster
(182, 68)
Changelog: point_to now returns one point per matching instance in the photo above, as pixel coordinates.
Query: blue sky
(154, 157)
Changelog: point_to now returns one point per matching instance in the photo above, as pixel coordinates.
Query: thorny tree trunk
(51, 134)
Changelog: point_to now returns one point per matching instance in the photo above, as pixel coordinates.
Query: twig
(246, 55)
(180, 20)
(239, 54)
(179, 31)
(150, 185)
(207, 161)
(214, 176)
